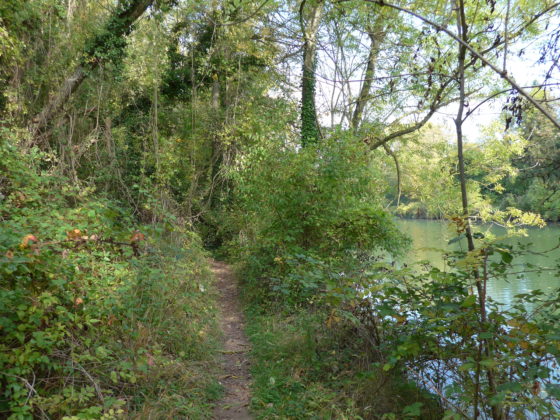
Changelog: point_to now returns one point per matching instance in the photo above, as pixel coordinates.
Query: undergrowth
(310, 223)
(100, 317)
(305, 367)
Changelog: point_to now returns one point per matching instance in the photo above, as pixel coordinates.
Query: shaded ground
(235, 364)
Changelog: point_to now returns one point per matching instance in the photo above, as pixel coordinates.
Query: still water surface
(430, 242)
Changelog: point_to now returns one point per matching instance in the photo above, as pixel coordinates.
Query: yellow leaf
(26, 239)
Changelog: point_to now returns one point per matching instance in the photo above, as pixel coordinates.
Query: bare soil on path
(235, 378)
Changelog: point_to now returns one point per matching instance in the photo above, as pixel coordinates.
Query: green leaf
(413, 410)
(450, 415)
(553, 390)
(511, 386)
(498, 398)
(506, 256)
(466, 366)
(101, 351)
(456, 239)
(469, 301)
(490, 363)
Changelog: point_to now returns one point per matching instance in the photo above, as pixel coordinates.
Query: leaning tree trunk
(100, 49)
(375, 35)
(309, 28)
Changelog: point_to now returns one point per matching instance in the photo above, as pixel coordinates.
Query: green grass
(304, 370)
(184, 384)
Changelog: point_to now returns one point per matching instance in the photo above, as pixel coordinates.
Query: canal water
(430, 242)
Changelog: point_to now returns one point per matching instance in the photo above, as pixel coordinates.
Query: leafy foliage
(429, 325)
(187, 120)
(308, 367)
(96, 311)
(308, 211)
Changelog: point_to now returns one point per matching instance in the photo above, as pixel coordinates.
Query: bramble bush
(99, 317)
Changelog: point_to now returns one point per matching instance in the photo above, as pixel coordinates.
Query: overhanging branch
(501, 73)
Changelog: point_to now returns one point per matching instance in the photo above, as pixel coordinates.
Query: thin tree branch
(478, 54)
(436, 104)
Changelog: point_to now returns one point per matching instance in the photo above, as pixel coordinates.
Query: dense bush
(98, 316)
(304, 215)
(312, 235)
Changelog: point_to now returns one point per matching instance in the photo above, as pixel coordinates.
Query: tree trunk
(398, 169)
(375, 34)
(118, 26)
(309, 124)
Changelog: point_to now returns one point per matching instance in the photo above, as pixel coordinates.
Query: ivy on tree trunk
(309, 124)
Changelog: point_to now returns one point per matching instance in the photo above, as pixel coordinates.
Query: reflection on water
(430, 241)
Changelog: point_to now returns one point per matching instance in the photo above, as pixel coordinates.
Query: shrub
(93, 308)
(314, 207)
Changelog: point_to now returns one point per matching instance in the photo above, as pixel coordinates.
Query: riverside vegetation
(139, 137)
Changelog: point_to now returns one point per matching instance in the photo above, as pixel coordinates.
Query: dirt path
(235, 364)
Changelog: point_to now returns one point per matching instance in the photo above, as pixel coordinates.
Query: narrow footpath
(235, 364)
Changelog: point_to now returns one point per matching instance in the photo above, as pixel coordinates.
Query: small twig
(95, 385)
(434, 388)
(30, 387)
(504, 69)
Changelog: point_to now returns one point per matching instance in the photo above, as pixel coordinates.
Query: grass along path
(235, 365)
